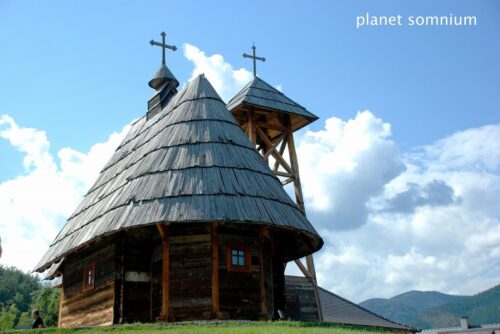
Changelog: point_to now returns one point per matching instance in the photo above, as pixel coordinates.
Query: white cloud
(433, 223)
(226, 80)
(345, 165)
(35, 205)
(392, 222)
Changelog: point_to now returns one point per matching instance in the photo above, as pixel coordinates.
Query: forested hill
(431, 309)
(407, 307)
(20, 293)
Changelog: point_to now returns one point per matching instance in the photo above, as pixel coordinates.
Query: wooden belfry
(186, 221)
(269, 119)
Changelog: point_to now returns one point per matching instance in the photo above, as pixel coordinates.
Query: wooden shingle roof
(259, 94)
(340, 310)
(337, 309)
(191, 162)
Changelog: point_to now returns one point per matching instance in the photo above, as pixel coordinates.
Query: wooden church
(188, 220)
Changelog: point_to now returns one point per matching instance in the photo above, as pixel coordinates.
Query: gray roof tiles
(260, 93)
(340, 310)
(190, 162)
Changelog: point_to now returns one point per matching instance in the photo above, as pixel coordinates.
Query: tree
(8, 317)
(46, 300)
(16, 288)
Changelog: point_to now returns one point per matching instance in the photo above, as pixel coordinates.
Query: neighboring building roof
(191, 162)
(340, 310)
(260, 94)
(337, 309)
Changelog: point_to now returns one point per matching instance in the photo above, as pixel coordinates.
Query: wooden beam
(215, 271)
(281, 151)
(283, 174)
(302, 268)
(165, 295)
(273, 146)
(122, 278)
(300, 204)
(244, 127)
(274, 152)
(287, 181)
(251, 127)
(61, 297)
(262, 274)
(276, 127)
(295, 168)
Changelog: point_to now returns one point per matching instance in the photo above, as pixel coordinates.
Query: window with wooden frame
(89, 276)
(239, 258)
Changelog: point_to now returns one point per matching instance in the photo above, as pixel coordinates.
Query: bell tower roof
(261, 97)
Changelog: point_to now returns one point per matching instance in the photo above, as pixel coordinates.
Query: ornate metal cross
(163, 46)
(254, 57)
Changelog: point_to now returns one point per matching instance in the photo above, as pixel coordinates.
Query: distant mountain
(430, 309)
(409, 306)
(483, 308)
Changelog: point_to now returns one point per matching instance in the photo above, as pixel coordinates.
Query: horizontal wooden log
(92, 308)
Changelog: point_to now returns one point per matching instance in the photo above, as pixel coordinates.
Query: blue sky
(78, 71)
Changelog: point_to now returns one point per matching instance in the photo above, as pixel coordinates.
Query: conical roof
(162, 76)
(258, 94)
(191, 162)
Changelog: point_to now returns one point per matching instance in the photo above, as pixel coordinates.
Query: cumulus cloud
(392, 221)
(434, 193)
(35, 205)
(226, 80)
(428, 227)
(344, 166)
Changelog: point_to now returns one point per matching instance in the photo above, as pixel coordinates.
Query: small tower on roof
(185, 222)
(269, 119)
(163, 82)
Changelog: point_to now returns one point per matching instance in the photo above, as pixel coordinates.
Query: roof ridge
(275, 90)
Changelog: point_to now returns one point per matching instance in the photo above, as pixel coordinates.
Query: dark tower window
(238, 258)
(89, 276)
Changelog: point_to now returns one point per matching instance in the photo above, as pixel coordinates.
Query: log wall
(300, 300)
(190, 272)
(138, 249)
(92, 307)
(239, 292)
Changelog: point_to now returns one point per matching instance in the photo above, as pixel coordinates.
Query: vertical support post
(122, 278)
(256, 133)
(215, 271)
(251, 127)
(262, 274)
(61, 298)
(165, 295)
(300, 203)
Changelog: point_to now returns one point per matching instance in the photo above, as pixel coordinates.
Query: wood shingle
(191, 162)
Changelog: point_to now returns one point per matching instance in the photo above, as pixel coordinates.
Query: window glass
(89, 276)
(237, 257)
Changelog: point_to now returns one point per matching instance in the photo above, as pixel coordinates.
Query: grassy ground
(254, 327)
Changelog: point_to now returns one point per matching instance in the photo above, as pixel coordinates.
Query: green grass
(231, 327)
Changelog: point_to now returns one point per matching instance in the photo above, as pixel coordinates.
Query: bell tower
(269, 118)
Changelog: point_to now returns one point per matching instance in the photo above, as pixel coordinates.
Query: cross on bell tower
(255, 58)
(163, 46)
